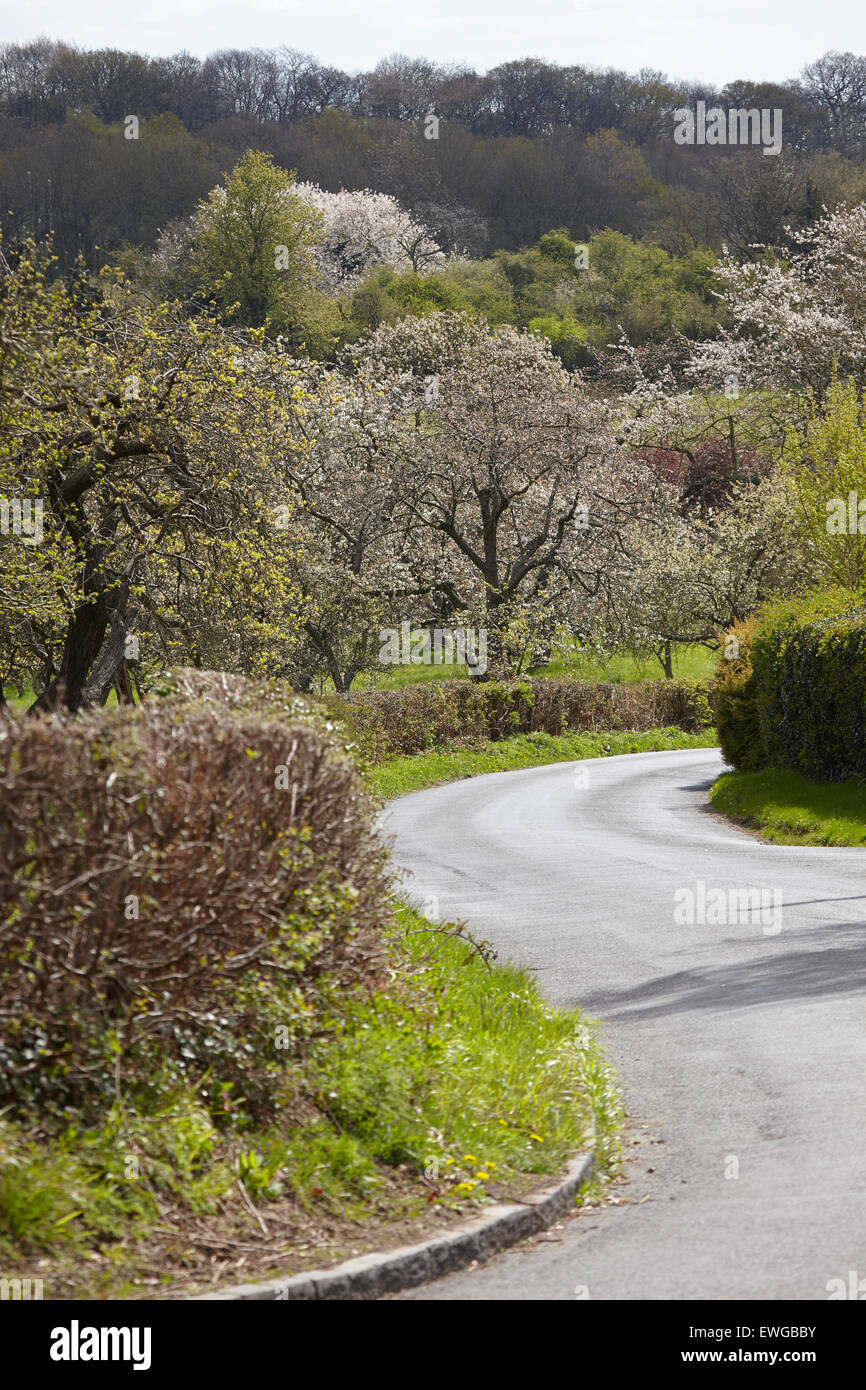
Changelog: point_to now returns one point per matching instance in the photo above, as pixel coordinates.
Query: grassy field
(689, 663)
(457, 1088)
(19, 704)
(789, 809)
(399, 775)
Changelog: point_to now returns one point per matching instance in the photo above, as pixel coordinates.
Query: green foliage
(793, 697)
(644, 289)
(558, 246)
(87, 1184)
(735, 699)
(468, 1071)
(828, 465)
(632, 284)
(566, 336)
(809, 658)
(450, 1088)
(155, 446)
(252, 250)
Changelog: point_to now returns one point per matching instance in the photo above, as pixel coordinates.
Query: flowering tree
(359, 561)
(266, 248)
(799, 319)
(510, 470)
(683, 576)
(782, 387)
(362, 229)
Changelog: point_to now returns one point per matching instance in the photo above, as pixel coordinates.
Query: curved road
(738, 1023)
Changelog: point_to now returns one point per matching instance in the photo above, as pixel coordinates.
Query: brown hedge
(167, 873)
(389, 723)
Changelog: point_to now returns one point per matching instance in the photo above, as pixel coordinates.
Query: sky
(687, 39)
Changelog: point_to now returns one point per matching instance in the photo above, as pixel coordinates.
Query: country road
(741, 1042)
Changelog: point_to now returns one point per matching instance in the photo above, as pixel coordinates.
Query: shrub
(177, 880)
(389, 723)
(735, 699)
(809, 658)
(560, 706)
(416, 717)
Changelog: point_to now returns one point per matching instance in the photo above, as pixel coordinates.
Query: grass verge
(789, 809)
(458, 1087)
(396, 776)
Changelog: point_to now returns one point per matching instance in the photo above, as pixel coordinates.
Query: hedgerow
(389, 723)
(795, 695)
(178, 881)
(734, 698)
(809, 657)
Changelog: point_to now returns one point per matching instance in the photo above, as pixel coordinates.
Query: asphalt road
(739, 1033)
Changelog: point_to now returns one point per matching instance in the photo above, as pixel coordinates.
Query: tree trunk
(84, 637)
(90, 663)
(123, 685)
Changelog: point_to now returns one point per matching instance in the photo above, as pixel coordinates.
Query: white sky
(685, 38)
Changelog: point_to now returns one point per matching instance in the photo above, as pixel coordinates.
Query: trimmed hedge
(735, 700)
(798, 700)
(388, 723)
(177, 882)
(810, 678)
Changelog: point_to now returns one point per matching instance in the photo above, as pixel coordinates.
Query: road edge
(373, 1275)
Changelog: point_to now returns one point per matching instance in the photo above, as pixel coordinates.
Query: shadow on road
(772, 976)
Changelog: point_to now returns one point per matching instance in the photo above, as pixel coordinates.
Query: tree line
(523, 147)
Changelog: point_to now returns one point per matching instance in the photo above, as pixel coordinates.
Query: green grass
(19, 704)
(789, 809)
(447, 764)
(476, 1071)
(457, 1087)
(689, 663)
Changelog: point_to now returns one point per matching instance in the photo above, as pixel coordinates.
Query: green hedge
(734, 699)
(797, 698)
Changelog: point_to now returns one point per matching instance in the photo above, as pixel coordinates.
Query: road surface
(738, 1022)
